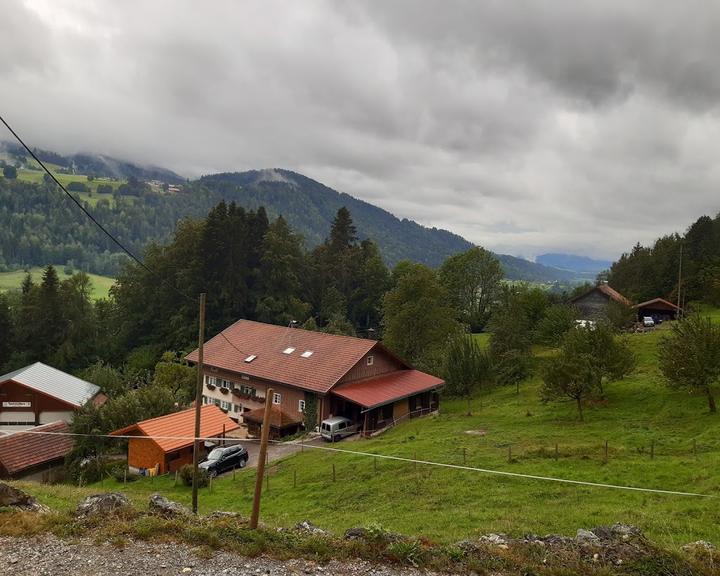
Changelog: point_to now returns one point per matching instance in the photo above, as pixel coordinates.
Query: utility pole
(264, 435)
(198, 402)
(679, 310)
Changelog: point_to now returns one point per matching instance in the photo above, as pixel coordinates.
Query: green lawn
(448, 505)
(12, 280)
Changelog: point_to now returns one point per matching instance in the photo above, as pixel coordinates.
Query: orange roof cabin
(165, 444)
(310, 373)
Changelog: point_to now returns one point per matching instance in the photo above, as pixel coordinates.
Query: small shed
(658, 309)
(165, 444)
(36, 455)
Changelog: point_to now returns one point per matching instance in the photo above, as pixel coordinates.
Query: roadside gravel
(48, 555)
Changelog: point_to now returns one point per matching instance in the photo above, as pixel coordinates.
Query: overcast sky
(525, 126)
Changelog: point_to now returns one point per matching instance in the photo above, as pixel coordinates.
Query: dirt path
(50, 556)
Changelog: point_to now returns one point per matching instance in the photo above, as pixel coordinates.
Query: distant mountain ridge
(98, 165)
(574, 263)
(310, 207)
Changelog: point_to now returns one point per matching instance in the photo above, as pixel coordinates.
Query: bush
(77, 187)
(186, 475)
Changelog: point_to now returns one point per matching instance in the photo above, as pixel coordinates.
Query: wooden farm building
(40, 394)
(35, 455)
(593, 304)
(165, 444)
(328, 374)
(658, 309)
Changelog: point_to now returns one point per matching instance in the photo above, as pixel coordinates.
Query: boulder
(701, 546)
(16, 498)
(161, 506)
(102, 504)
(355, 534)
(310, 528)
(586, 537)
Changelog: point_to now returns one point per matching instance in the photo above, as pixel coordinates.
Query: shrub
(186, 475)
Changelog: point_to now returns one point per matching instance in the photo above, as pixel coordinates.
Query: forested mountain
(38, 224)
(96, 165)
(652, 271)
(574, 263)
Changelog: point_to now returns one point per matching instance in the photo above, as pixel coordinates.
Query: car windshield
(216, 454)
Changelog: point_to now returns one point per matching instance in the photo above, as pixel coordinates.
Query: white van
(336, 428)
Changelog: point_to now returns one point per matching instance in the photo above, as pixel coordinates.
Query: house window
(236, 407)
(301, 405)
(216, 401)
(277, 398)
(210, 380)
(370, 360)
(225, 405)
(226, 384)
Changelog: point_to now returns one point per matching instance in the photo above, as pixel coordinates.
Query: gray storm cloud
(526, 126)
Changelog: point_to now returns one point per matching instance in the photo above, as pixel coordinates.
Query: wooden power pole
(264, 435)
(198, 403)
(679, 302)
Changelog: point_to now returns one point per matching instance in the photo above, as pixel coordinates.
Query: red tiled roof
(608, 291)
(654, 301)
(278, 418)
(388, 388)
(332, 356)
(21, 450)
(213, 422)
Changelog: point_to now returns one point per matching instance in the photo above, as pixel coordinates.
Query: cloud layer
(526, 126)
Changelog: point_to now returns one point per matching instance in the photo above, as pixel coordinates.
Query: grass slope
(13, 280)
(448, 505)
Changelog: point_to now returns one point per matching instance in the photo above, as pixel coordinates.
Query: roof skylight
(250, 358)
(288, 350)
(307, 354)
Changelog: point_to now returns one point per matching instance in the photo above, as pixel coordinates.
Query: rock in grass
(310, 528)
(699, 547)
(586, 537)
(15, 498)
(102, 504)
(161, 506)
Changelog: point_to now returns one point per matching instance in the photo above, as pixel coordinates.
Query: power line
(395, 458)
(105, 230)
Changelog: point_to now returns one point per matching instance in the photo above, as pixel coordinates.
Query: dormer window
(370, 360)
(288, 350)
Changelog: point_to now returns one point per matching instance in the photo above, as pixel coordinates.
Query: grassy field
(514, 433)
(12, 280)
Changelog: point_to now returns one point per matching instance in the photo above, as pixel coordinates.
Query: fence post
(176, 478)
(267, 481)
(509, 454)
(125, 476)
(556, 451)
(415, 461)
(294, 478)
(464, 456)
(375, 463)
(333, 471)
(606, 450)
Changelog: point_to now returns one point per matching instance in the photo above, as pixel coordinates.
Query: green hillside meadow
(13, 280)
(509, 432)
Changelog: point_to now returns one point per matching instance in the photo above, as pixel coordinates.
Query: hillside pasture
(656, 437)
(13, 280)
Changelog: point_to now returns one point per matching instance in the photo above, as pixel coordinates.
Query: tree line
(652, 271)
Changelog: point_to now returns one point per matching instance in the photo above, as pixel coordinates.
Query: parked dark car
(223, 459)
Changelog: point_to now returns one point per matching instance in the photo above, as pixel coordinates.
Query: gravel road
(48, 555)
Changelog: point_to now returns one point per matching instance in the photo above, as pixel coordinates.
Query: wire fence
(460, 459)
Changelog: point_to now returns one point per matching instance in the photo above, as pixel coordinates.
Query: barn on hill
(593, 304)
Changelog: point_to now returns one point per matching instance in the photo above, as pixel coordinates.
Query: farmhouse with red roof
(339, 375)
